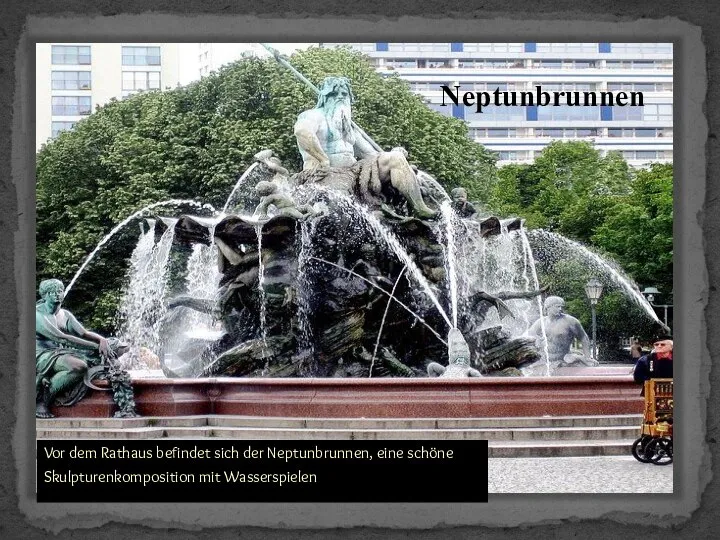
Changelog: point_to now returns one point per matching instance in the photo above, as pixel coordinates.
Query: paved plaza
(620, 474)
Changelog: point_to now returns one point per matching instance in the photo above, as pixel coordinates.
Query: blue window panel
(606, 113)
(381, 47)
(531, 113)
(458, 111)
(604, 47)
(456, 47)
(531, 47)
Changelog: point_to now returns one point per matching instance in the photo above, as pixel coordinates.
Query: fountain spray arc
(122, 224)
(300, 291)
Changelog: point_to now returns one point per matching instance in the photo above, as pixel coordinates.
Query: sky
(189, 69)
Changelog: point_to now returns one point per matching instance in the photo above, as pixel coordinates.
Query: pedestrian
(658, 364)
(636, 352)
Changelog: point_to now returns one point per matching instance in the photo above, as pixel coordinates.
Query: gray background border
(17, 215)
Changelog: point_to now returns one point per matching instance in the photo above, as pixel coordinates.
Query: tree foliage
(193, 142)
(624, 214)
(638, 230)
(568, 188)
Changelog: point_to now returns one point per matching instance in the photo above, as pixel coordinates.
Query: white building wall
(106, 80)
(212, 56)
(551, 63)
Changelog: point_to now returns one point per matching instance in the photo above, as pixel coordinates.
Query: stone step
(424, 423)
(511, 434)
(341, 423)
(100, 434)
(522, 434)
(546, 449)
(121, 423)
(538, 449)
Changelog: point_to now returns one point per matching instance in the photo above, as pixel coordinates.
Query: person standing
(636, 352)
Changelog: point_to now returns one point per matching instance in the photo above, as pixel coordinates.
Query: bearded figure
(326, 137)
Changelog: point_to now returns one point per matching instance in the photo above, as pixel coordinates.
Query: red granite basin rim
(375, 398)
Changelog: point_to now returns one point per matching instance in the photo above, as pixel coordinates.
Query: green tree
(193, 142)
(638, 231)
(624, 215)
(568, 189)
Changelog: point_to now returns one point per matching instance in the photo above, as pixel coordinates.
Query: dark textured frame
(559, 21)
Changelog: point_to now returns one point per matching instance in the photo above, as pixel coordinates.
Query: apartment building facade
(518, 134)
(212, 56)
(72, 79)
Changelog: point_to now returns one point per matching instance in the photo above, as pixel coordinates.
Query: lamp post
(651, 293)
(593, 290)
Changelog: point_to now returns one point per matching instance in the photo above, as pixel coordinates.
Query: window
(141, 56)
(627, 113)
(424, 86)
(567, 47)
(58, 127)
(639, 132)
(565, 64)
(579, 64)
(501, 133)
(491, 113)
(512, 155)
(657, 112)
(638, 64)
(549, 132)
(655, 48)
(568, 133)
(491, 63)
(547, 64)
(363, 47)
(489, 87)
(70, 54)
(400, 63)
(648, 112)
(493, 47)
(589, 132)
(71, 105)
(647, 87)
(568, 87)
(567, 112)
(639, 87)
(434, 63)
(70, 80)
(140, 80)
(497, 133)
(445, 110)
(647, 155)
(418, 47)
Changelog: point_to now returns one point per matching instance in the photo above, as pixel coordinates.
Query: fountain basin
(487, 397)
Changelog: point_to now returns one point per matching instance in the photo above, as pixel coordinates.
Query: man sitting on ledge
(656, 365)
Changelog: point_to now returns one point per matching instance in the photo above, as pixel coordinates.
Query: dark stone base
(374, 398)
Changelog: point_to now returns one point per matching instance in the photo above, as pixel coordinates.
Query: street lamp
(593, 290)
(651, 293)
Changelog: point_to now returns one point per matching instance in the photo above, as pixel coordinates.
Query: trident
(422, 175)
(283, 61)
